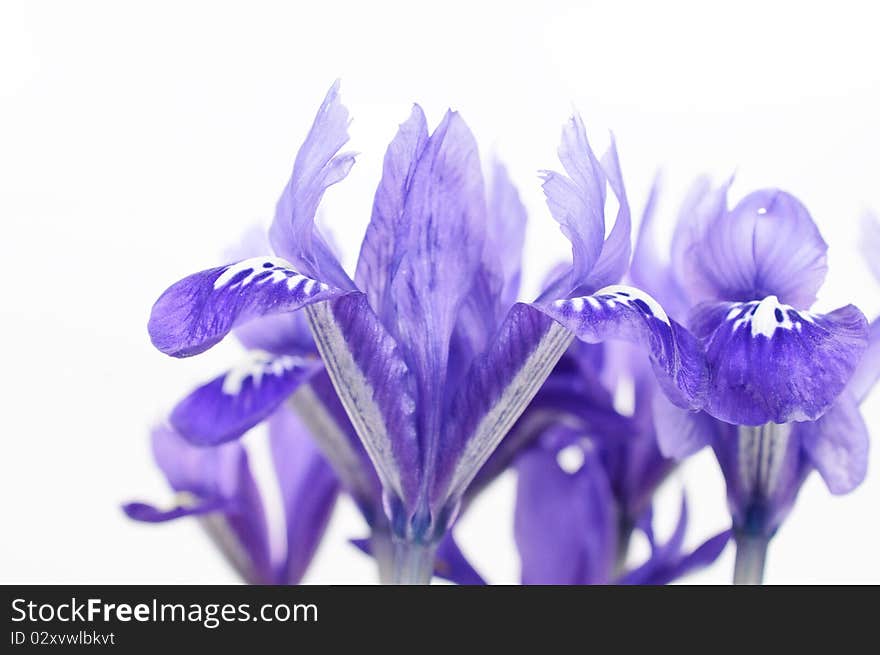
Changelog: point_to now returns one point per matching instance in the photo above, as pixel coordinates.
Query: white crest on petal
(766, 316)
(620, 293)
(257, 365)
(279, 270)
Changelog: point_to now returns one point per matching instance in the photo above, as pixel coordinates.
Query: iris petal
(771, 363)
(629, 314)
(233, 403)
(196, 313)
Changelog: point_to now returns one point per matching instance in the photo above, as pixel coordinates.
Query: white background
(139, 140)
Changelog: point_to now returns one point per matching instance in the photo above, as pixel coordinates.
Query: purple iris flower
(216, 485)
(570, 524)
(428, 354)
(784, 382)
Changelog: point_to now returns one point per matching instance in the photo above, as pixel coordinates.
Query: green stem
(413, 563)
(751, 552)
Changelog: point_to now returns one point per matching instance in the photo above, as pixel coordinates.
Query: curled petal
(198, 311)
(771, 363)
(577, 203)
(629, 314)
(233, 403)
(293, 233)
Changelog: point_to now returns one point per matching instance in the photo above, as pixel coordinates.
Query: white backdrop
(139, 140)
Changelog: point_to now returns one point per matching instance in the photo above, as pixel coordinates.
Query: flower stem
(413, 563)
(751, 552)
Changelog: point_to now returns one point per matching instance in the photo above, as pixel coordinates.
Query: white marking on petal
(356, 394)
(257, 364)
(594, 302)
(496, 422)
(761, 455)
(624, 294)
(577, 304)
(570, 459)
(255, 265)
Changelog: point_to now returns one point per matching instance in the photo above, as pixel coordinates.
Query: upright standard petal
(308, 489)
(495, 391)
(577, 203)
(649, 269)
(293, 233)
(446, 222)
(614, 259)
(385, 238)
(375, 387)
(197, 312)
(768, 245)
(233, 403)
(769, 362)
(629, 314)
(837, 445)
(215, 484)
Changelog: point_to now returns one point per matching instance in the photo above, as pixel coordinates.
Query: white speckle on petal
(258, 364)
(570, 458)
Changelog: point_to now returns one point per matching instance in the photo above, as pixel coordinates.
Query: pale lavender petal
(220, 479)
(868, 371)
(386, 235)
(502, 253)
(680, 432)
(494, 393)
(769, 362)
(767, 245)
(613, 262)
(577, 203)
(837, 445)
(496, 281)
(375, 387)
(564, 523)
(293, 233)
(308, 489)
(869, 242)
(629, 314)
(446, 216)
(649, 270)
(198, 311)
(231, 404)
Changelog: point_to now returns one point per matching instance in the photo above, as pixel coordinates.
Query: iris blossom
(216, 485)
(784, 382)
(429, 356)
(568, 522)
